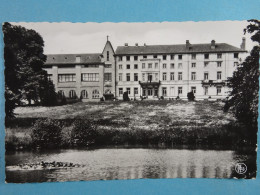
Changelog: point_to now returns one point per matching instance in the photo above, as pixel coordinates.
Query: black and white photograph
(117, 101)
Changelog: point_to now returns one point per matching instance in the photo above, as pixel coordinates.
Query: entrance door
(150, 92)
(172, 91)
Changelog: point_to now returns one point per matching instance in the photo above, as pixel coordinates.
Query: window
(180, 57)
(136, 66)
(206, 64)
(108, 76)
(172, 57)
(150, 77)
(179, 90)
(135, 91)
(78, 58)
(164, 57)
(91, 66)
(128, 90)
(143, 65)
(164, 66)
(180, 76)
(193, 65)
(120, 58)
(150, 65)
(218, 90)
(120, 66)
(155, 92)
(156, 65)
(84, 94)
(193, 76)
(143, 76)
(172, 66)
(49, 77)
(206, 76)
(127, 58)
(120, 91)
(135, 76)
(108, 65)
(206, 90)
(144, 92)
(107, 55)
(164, 76)
(62, 78)
(164, 91)
(193, 56)
(127, 76)
(219, 75)
(144, 57)
(180, 65)
(95, 94)
(128, 66)
(72, 94)
(154, 56)
(235, 55)
(135, 58)
(219, 55)
(206, 56)
(120, 76)
(219, 64)
(172, 76)
(235, 63)
(89, 77)
(193, 89)
(156, 77)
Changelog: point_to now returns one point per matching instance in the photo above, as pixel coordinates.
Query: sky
(65, 37)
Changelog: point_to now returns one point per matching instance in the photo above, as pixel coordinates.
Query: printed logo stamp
(241, 168)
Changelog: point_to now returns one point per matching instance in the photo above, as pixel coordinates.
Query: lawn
(175, 122)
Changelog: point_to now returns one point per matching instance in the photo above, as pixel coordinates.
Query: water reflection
(108, 164)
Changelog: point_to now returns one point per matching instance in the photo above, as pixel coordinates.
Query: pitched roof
(93, 58)
(172, 49)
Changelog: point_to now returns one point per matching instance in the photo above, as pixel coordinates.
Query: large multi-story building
(148, 71)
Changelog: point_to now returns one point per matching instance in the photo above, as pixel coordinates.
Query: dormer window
(78, 58)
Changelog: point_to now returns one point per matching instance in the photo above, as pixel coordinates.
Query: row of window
(84, 77)
(154, 77)
(83, 94)
(154, 92)
(172, 56)
(172, 65)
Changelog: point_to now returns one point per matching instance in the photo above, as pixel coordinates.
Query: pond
(118, 163)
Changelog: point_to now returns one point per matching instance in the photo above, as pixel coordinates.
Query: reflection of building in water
(150, 71)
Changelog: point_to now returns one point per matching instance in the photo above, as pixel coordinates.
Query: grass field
(137, 121)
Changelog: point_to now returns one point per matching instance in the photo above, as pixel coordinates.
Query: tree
(243, 99)
(24, 59)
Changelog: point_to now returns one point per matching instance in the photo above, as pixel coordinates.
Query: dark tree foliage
(243, 99)
(24, 58)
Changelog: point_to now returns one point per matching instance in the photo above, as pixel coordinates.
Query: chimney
(126, 44)
(188, 44)
(213, 44)
(243, 44)
(136, 44)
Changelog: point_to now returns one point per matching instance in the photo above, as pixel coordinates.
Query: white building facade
(148, 71)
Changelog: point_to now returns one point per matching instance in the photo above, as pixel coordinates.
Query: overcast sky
(91, 37)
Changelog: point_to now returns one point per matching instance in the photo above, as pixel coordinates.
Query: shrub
(125, 96)
(84, 133)
(191, 96)
(46, 133)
